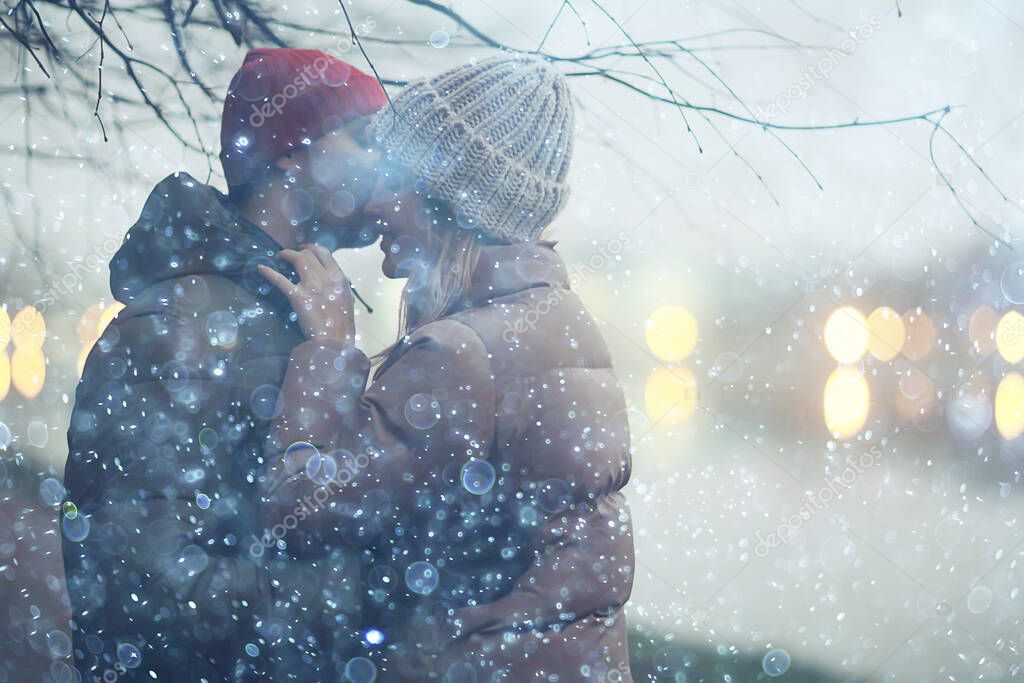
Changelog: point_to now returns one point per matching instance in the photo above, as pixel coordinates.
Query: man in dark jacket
(176, 397)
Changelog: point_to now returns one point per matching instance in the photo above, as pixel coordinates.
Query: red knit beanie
(280, 98)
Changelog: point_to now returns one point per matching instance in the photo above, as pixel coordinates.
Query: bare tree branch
(149, 82)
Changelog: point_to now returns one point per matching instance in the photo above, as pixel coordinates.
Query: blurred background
(808, 270)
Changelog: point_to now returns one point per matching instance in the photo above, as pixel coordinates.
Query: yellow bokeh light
(886, 333)
(1010, 337)
(670, 395)
(1009, 408)
(89, 323)
(5, 375)
(109, 313)
(846, 334)
(28, 370)
(28, 328)
(83, 355)
(671, 333)
(981, 329)
(5, 329)
(847, 400)
(91, 326)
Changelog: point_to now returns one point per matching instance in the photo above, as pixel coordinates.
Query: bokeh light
(89, 323)
(5, 374)
(1010, 337)
(5, 362)
(670, 395)
(28, 370)
(671, 333)
(83, 355)
(887, 333)
(5, 329)
(1009, 409)
(920, 334)
(846, 334)
(846, 402)
(28, 329)
(981, 329)
(969, 415)
(109, 313)
(91, 326)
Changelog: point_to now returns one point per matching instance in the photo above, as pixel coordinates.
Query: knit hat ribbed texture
(493, 138)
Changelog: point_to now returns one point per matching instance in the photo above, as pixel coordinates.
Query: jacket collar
(505, 269)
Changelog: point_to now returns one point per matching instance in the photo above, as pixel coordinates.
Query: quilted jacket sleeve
(156, 557)
(363, 453)
(585, 571)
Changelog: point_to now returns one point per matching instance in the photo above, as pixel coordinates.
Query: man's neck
(261, 212)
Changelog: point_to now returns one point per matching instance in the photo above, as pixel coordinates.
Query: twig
(956, 195)
(179, 48)
(247, 21)
(24, 43)
(565, 3)
(643, 55)
(815, 17)
(373, 68)
(457, 18)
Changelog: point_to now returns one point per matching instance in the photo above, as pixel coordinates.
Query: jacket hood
(188, 228)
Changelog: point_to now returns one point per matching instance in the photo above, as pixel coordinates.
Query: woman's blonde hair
(440, 288)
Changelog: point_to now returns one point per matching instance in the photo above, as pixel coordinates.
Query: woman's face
(406, 218)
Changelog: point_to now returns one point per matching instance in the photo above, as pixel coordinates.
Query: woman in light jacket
(481, 470)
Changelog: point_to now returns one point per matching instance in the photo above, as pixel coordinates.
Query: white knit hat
(493, 138)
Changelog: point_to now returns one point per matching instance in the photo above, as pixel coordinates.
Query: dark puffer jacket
(165, 443)
(482, 472)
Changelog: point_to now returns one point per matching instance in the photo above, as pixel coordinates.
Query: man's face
(329, 183)
(401, 210)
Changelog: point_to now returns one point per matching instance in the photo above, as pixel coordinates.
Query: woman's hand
(323, 297)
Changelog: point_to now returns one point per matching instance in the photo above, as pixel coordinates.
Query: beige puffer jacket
(481, 472)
